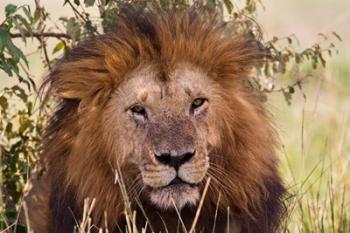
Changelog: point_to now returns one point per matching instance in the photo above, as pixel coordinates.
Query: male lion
(161, 99)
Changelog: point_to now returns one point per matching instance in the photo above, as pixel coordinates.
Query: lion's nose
(173, 159)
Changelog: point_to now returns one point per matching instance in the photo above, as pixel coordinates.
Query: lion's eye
(197, 103)
(139, 110)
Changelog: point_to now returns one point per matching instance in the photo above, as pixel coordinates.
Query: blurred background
(313, 129)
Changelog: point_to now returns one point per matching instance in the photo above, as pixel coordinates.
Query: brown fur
(80, 156)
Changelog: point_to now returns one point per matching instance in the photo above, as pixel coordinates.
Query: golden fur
(80, 148)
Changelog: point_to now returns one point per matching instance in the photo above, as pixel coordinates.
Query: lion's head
(165, 123)
(162, 99)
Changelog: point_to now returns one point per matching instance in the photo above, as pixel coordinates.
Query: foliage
(21, 126)
(21, 129)
(11, 57)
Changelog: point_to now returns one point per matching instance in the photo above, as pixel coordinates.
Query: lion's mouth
(176, 194)
(178, 182)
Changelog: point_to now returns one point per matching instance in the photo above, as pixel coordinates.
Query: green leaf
(324, 36)
(329, 52)
(337, 35)
(314, 61)
(59, 46)
(323, 61)
(37, 15)
(24, 125)
(30, 108)
(73, 28)
(6, 67)
(3, 102)
(25, 23)
(8, 128)
(16, 52)
(4, 37)
(12, 62)
(10, 9)
(89, 2)
(28, 13)
(20, 29)
(20, 93)
(291, 90)
(229, 6)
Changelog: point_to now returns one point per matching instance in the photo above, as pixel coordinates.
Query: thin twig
(82, 17)
(41, 34)
(77, 12)
(46, 55)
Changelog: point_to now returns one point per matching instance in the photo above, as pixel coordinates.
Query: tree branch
(42, 34)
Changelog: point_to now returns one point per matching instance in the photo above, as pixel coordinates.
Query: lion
(161, 99)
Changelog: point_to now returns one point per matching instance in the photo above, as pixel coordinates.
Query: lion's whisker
(136, 187)
(218, 170)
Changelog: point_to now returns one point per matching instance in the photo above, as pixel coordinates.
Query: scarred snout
(177, 162)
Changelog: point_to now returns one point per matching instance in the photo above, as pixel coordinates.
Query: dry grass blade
(200, 206)
(216, 213)
(26, 215)
(86, 222)
(179, 216)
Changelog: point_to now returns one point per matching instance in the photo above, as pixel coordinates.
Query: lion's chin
(176, 195)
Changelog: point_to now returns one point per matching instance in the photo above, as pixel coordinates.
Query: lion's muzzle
(175, 180)
(176, 161)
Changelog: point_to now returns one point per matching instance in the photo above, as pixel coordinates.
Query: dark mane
(79, 161)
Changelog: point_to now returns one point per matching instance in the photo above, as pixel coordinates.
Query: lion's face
(163, 99)
(166, 128)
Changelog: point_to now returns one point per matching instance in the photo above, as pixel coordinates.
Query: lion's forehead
(147, 84)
